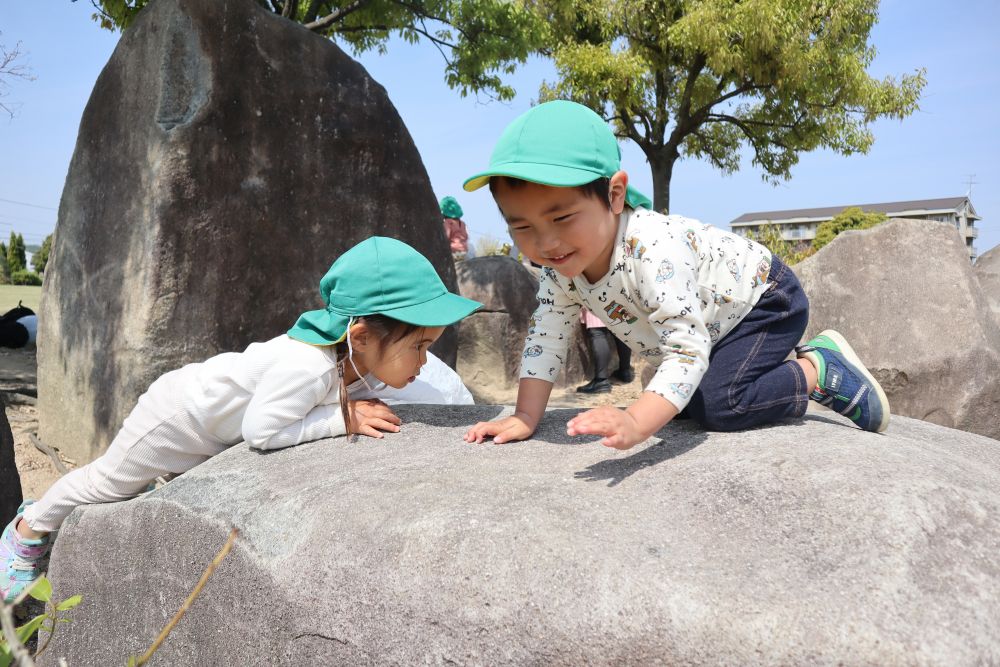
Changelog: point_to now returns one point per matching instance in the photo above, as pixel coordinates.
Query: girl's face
(398, 363)
(564, 228)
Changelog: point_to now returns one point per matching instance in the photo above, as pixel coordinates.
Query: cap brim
(545, 174)
(440, 311)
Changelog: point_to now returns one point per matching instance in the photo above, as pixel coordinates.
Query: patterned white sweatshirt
(675, 286)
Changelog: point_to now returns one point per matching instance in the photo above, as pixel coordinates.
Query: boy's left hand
(619, 428)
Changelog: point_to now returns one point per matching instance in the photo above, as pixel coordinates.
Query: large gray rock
(226, 157)
(987, 270)
(904, 295)
(809, 542)
(492, 339)
(10, 480)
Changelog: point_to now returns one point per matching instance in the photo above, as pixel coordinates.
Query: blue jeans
(748, 382)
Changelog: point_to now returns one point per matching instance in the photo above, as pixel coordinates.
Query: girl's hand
(515, 427)
(618, 427)
(371, 416)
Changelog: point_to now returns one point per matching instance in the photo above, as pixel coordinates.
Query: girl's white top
(675, 286)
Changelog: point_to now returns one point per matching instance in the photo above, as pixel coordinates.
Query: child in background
(715, 312)
(600, 340)
(385, 305)
(454, 228)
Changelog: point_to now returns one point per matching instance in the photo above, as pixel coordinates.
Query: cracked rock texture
(225, 159)
(904, 295)
(809, 542)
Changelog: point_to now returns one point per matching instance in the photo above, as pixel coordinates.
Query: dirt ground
(19, 386)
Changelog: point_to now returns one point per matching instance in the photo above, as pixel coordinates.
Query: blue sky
(930, 154)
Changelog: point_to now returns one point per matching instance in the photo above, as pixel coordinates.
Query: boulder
(808, 542)
(492, 339)
(905, 296)
(226, 157)
(987, 270)
(10, 480)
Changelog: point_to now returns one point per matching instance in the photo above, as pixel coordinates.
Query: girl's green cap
(380, 276)
(450, 208)
(560, 143)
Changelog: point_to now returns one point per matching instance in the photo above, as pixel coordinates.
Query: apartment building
(799, 225)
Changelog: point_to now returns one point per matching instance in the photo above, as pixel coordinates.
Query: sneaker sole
(851, 356)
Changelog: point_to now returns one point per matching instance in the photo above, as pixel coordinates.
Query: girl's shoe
(21, 558)
(844, 384)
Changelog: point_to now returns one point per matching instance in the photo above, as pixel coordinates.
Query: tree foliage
(481, 41)
(4, 269)
(704, 78)
(41, 256)
(16, 258)
(851, 218)
(770, 237)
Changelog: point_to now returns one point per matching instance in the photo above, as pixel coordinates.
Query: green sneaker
(844, 384)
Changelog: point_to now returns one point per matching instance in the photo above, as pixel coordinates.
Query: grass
(11, 294)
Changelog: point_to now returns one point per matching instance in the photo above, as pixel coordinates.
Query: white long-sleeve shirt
(674, 287)
(274, 394)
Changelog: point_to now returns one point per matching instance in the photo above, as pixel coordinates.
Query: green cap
(450, 208)
(560, 143)
(380, 276)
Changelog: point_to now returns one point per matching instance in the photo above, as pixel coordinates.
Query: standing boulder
(987, 270)
(225, 159)
(10, 481)
(904, 295)
(492, 339)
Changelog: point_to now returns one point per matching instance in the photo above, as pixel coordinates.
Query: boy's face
(398, 363)
(563, 228)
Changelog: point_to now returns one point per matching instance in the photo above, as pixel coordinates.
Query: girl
(385, 305)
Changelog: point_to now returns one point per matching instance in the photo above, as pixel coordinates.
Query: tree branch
(330, 19)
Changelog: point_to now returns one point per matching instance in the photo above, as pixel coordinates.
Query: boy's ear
(617, 188)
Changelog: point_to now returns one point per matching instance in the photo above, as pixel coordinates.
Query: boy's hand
(618, 427)
(371, 416)
(624, 429)
(516, 427)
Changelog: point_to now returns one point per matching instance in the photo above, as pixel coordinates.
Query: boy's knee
(725, 421)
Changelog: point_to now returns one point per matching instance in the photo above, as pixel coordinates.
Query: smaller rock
(10, 481)
(987, 270)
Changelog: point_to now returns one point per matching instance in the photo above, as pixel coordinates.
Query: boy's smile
(563, 228)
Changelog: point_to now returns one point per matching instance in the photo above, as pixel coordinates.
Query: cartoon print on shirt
(633, 248)
(533, 351)
(684, 356)
(713, 330)
(619, 314)
(734, 269)
(763, 268)
(665, 272)
(692, 240)
(682, 389)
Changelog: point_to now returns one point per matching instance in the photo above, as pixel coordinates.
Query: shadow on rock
(616, 470)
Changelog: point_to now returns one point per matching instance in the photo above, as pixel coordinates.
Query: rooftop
(895, 207)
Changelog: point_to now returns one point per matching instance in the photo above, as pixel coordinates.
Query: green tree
(16, 259)
(41, 256)
(703, 78)
(851, 218)
(4, 269)
(480, 40)
(769, 236)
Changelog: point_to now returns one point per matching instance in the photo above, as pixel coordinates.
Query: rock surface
(809, 542)
(226, 157)
(10, 481)
(987, 270)
(491, 340)
(905, 296)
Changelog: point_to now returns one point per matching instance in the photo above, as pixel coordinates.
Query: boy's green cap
(380, 276)
(450, 208)
(559, 143)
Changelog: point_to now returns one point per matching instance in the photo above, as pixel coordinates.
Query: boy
(714, 311)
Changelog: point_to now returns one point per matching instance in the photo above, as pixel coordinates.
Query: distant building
(800, 224)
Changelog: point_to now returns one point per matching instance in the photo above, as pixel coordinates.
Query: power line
(23, 203)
